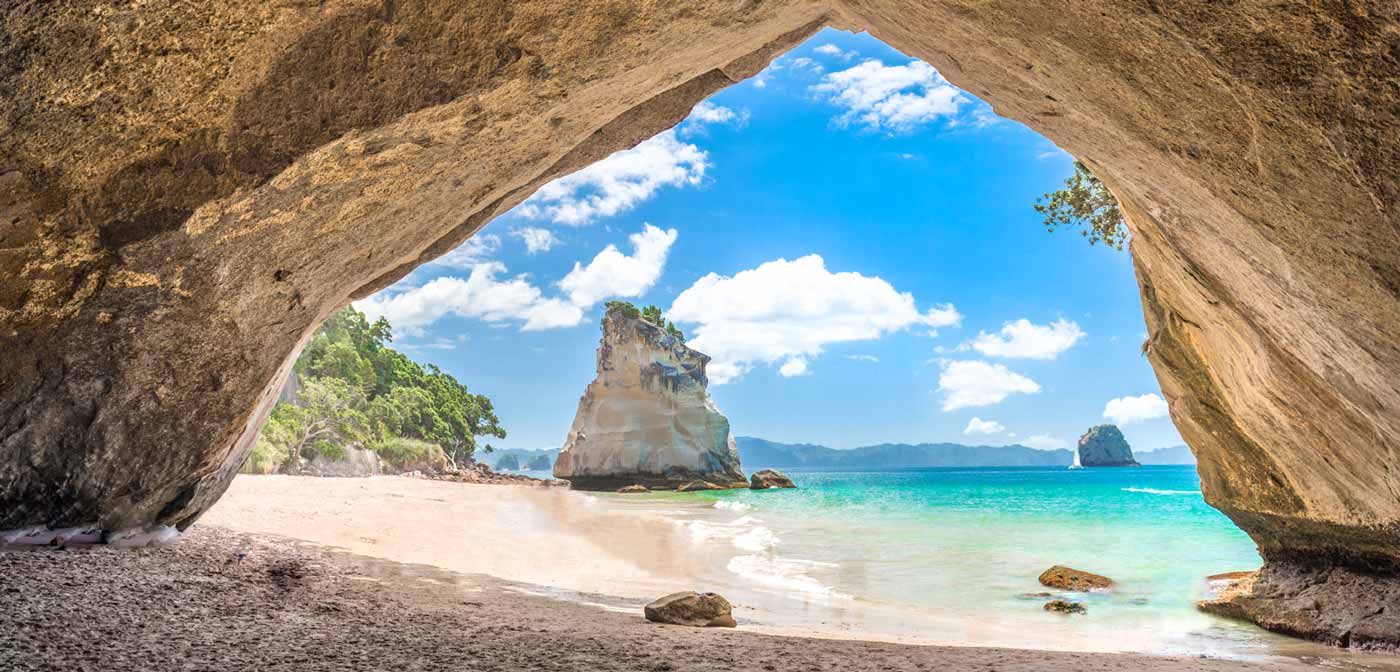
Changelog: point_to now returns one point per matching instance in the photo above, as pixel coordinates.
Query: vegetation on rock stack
(356, 391)
(1087, 204)
(650, 314)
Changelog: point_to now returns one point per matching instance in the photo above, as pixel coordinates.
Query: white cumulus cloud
(793, 367)
(894, 98)
(972, 383)
(618, 183)
(784, 310)
(1125, 410)
(626, 179)
(1023, 338)
(470, 253)
(1045, 442)
(830, 49)
(482, 295)
(980, 426)
(614, 274)
(536, 239)
(486, 296)
(709, 113)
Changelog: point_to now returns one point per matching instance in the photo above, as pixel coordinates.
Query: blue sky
(850, 237)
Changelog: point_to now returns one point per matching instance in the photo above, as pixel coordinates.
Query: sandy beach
(289, 606)
(398, 573)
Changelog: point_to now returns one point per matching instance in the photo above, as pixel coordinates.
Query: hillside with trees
(353, 391)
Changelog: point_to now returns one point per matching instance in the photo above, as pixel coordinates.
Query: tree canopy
(1085, 203)
(355, 390)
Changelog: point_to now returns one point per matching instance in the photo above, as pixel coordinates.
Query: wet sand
(295, 606)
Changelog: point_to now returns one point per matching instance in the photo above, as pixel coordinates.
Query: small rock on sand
(630, 489)
(1064, 607)
(699, 485)
(768, 478)
(1066, 578)
(698, 610)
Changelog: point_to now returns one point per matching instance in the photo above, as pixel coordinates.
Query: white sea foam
(703, 531)
(784, 574)
(756, 540)
(728, 505)
(1155, 491)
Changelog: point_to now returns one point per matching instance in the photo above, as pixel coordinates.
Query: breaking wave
(1155, 491)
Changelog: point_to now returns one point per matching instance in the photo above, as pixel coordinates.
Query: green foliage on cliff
(357, 391)
(1085, 203)
(651, 314)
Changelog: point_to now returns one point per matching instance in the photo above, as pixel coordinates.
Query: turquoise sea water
(951, 554)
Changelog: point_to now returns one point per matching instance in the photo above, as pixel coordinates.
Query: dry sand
(550, 537)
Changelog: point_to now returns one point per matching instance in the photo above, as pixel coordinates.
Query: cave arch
(188, 191)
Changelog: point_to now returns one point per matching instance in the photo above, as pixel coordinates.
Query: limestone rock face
(357, 462)
(1104, 446)
(188, 189)
(647, 417)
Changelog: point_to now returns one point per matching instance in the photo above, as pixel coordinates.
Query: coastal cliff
(1104, 446)
(647, 417)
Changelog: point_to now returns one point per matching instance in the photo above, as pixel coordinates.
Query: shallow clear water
(951, 554)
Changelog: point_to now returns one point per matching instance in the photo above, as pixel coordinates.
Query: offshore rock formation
(1068, 578)
(647, 418)
(1104, 446)
(769, 478)
(188, 189)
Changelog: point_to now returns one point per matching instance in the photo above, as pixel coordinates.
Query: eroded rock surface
(769, 478)
(699, 610)
(187, 189)
(1068, 578)
(1336, 605)
(1064, 607)
(1104, 446)
(647, 418)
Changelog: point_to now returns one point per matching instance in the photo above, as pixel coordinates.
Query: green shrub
(405, 454)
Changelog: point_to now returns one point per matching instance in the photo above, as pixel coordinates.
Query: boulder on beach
(769, 478)
(1066, 578)
(632, 489)
(695, 486)
(1064, 607)
(698, 610)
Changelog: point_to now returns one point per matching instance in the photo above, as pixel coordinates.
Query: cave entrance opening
(852, 337)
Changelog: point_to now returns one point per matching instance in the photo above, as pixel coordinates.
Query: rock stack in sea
(1104, 446)
(647, 419)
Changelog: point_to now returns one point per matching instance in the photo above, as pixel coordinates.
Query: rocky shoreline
(1333, 605)
(482, 474)
(222, 600)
